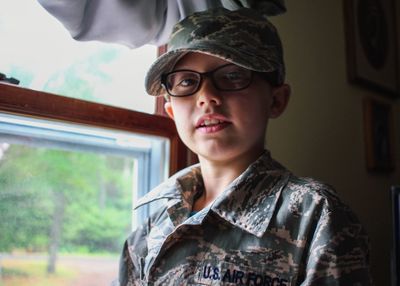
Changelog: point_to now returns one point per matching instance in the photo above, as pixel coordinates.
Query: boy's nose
(208, 94)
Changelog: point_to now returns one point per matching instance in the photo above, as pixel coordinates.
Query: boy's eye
(182, 80)
(232, 77)
(186, 82)
(235, 75)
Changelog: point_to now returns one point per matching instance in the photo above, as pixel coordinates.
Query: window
(42, 154)
(85, 162)
(69, 189)
(72, 160)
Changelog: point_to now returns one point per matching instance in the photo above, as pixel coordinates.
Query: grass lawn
(33, 273)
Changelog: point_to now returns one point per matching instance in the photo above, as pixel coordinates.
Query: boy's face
(225, 125)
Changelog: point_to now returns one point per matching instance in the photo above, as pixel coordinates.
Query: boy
(238, 217)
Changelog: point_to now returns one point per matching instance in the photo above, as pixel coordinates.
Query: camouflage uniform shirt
(268, 228)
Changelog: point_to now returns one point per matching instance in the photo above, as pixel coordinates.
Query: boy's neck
(217, 176)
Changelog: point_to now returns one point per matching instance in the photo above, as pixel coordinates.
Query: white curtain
(138, 22)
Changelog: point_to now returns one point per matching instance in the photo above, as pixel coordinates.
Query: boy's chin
(229, 155)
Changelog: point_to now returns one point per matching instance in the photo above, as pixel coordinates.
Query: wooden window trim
(27, 102)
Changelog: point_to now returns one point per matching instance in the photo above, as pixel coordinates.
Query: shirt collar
(180, 192)
(248, 202)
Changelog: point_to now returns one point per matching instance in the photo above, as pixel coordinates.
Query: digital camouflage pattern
(242, 37)
(268, 228)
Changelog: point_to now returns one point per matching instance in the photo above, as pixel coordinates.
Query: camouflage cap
(243, 37)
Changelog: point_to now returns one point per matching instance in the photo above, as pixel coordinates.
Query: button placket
(169, 241)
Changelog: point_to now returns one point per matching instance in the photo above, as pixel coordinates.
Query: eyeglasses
(228, 77)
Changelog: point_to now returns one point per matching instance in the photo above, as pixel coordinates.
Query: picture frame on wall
(379, 135)
(372, 44)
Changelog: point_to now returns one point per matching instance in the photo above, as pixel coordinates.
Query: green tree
(80, 199)
(81, 78)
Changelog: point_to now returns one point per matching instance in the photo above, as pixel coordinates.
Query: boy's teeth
(211, 122)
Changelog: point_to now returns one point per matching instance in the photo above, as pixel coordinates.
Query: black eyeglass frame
(208, 74)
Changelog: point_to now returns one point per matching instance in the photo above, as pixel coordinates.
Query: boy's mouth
(209, 124)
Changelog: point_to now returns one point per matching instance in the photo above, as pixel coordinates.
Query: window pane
(37, 50)
(66, 195)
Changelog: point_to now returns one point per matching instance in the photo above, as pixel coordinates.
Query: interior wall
(321, 134)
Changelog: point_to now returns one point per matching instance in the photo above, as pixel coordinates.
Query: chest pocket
(266, 268)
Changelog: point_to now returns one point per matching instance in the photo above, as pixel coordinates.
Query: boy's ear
(280, 99)
(168, 109)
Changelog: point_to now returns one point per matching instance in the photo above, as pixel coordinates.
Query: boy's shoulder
(305, 195)
(311, 186)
